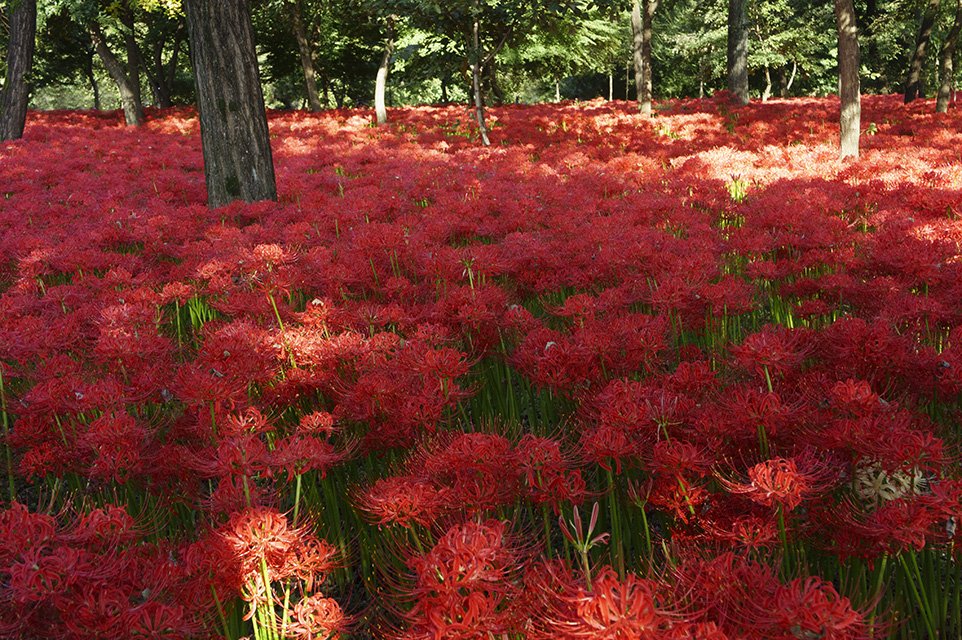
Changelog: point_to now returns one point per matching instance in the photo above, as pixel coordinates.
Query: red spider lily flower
(786, 482)
(404, 501)
(772, 351)
(550, 477)
(481, 470)
(811, 608)
(615, 609)
(317, 422)
(318, 618)
(259, 534)
(154, 620)
(21, 530)
(466, 586)
(301, 454)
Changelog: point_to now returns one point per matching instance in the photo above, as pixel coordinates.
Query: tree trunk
(491, 69)
(134, 63)
(16, 90)
(913, 78)
(557, 90)
(92, 79)
(611, 86)
(642, 16)
(307, 56)
(791, 80)
(848, 80)
(238, 164)
(738, 49)
(476, 77)
(947, 54)
(444, 90)
(380, 86)
(767, 93)
(129, 95)
(637, 55)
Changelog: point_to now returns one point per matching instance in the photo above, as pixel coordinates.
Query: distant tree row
(332, 53)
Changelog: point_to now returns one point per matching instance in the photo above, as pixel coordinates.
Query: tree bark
(129, 95)
(738, 49)
(307, 56)
(380, 85)
(92, 79)
(16, 90)
(238, 164)
(913, 78)
(947, 73)
(642, 16)
(636, 51)
(611, 86)
(476, 76)
(134, 63)
(848, 79)
(767, 93)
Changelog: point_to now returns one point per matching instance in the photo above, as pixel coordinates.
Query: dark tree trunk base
(16, 91)
(238, 164)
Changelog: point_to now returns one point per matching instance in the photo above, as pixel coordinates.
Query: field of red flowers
(689, 377)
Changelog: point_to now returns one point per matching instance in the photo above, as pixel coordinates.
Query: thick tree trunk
(16, 91)
(134, 63)
(129, 94)
(238, 164)
(848, 80)
(307, 56)
(947, 72)
(913, 78)
(738, 49)
(380, 85)
(767, 93)
(642, 16)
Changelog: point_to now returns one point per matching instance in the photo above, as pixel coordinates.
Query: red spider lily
(466, 586)
(549, 476)
(317, 618)
(404, 501)
(786, 482)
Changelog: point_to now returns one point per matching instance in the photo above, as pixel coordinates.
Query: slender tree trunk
(476, 76)
(913, 79)
(787, 87)
(307, 56)
(92, 79)
(380, 86)
(171, 75)
(848, 79)
(238, 164)
(642, 16)
(767, 93)
(444, 90)
(947, 73)
(637, 52)
(611, 86)
(129, 94)
(557, 90)
(738, 49)
(627, 79)
(16, 90)
(491, 70)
